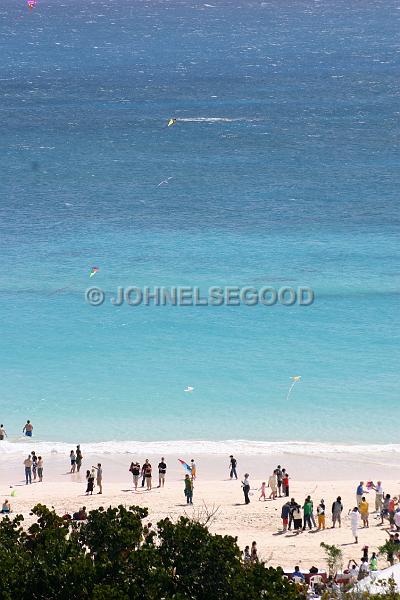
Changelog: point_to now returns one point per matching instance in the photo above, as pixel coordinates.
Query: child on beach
(364, 510)
(40, 468)
(193, 469)
(321, 515)
(262, 488)
(285, 483)
(72, 458)
(246, 556)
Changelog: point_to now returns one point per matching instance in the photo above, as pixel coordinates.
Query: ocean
(284, 171)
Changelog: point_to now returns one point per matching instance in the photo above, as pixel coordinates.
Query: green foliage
(334, 558)
(389, 549)
(113, 557)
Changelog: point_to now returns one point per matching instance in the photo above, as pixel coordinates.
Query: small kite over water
(31, 4)
(188, 389)
(294, 380)
(93, 271)
(171, 122)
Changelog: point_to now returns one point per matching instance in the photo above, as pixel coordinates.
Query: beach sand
(321, 476)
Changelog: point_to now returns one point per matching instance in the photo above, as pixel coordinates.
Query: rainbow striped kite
(185, 466)
(93, 271)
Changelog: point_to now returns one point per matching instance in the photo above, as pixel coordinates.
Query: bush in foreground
(112, 556)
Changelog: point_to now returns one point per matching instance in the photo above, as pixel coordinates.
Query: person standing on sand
(364, 511)
(355, 521)
(321, 515)
(90, 483)
(34, 464)
(297, 520)
(28, 429)
(292, 505)
(28, 469)
(143, 471)
(162, 470)
(279, 477)
(307, 511)
(193, 469)
(72, 458)
(378, 496)
(272, 483)
(285, 483)
(337, 508)
(147, 475)
(262, 488)
(360, 492)
(135, 470)
(40, 468)
(232, 467)
(246, 488)
(99, 477)
(188, 491)
(285, 515)
(79, 458)
(3, 433)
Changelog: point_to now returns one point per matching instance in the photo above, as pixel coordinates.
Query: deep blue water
(285, 171)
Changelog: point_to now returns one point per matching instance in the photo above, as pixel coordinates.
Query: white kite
(294, 380)
(188, 389)
(165, 181)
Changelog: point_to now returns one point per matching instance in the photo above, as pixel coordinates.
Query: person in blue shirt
(297, 573)
(360, 492)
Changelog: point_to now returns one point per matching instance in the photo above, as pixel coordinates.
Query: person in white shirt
(364, 569)
(353, 570)
(378, 497)
(3, 433)
(355, 521)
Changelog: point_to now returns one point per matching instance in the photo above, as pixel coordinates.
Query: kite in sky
(93, 271)
(188, 389)
(294, 380)
(185, 466)
(171, 122)
(31, 4)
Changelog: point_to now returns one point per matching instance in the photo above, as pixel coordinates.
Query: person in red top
(285, 484)
(391, 509)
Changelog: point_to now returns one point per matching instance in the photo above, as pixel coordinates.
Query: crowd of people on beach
(295, 517)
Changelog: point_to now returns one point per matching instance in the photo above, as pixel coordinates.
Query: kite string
(290, 389)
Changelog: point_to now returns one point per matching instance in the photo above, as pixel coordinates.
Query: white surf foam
(196, 447)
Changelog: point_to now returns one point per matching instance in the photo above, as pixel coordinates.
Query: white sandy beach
(321, 476)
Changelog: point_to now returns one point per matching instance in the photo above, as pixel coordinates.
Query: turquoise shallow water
(284, 166)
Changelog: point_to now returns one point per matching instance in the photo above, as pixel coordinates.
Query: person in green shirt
(308, 510)
(188, 491)
(373, 563)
